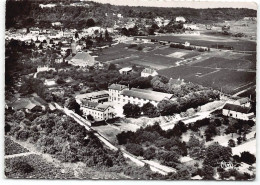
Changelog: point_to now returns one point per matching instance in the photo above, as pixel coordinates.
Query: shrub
(22, 167)
(248, 158)
(135, 149)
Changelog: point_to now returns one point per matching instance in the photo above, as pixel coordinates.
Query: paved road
(156, 167)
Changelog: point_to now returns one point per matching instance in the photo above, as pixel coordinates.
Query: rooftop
(96, 106)
(237, 108)
(91, 95)
(146, 94)
(118, 87)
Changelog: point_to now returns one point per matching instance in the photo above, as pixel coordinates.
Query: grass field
(228, 80)
(209, 40)
(41, 168)
(218, 62)
(13, 148)
(152, 55)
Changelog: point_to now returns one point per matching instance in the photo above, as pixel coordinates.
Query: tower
(73, 47)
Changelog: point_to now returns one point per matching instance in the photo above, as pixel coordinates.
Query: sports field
(209, 41)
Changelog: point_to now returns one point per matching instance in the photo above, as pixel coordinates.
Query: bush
(248, 158)
(149, 153)
(22, 167)
(22, 135)
(135, 149)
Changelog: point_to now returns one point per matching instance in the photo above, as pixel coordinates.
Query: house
(65, 48)
(125, 70)
(27, 104)
(180, 19)
(82, 59)
(114, 91)
(49, 82)
(58, 59)
(99, 111)
(240, 101)
(34, 31)
(98, 96)
(190, 26)
(237, 111)
(149, 72)
(56, 24)
(176, 82)
(187, 44)
(45, 68)
(122, 94)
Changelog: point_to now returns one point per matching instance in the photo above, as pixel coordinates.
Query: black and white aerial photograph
(129, 90)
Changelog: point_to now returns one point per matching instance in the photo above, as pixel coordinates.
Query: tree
(149, 110)
(135, 149)
(210, 132)
(76, 35)
(149, 153)
(107, 38)
(248, 158)
(90, 22)
(231, 143)
(155, 26)
(230, 129)
(73, 105)
(208, 172)
(112, 67)
(216, 153)
(90, 117)
(131, 110)
(22, 167)
(239, 140)
(168, 107)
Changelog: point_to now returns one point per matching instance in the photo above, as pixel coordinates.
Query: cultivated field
(209, 41)
(231, 81)
(151, 55)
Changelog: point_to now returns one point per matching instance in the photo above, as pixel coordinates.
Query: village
(139, 90)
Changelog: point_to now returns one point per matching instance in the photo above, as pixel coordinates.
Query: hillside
(29, 13)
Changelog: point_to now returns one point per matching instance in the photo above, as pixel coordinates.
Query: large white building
(99, 111)
(123, 95)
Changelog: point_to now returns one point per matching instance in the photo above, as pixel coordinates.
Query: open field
(152, 55)
(41, 168)
(240, 62)
(13, 148)
(209, 41)
(229, 80)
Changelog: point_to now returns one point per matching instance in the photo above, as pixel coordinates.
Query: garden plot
(177, 55)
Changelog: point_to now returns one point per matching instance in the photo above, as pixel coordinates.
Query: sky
(189, 3)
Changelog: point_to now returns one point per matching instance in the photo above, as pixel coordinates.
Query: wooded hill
(27, 13)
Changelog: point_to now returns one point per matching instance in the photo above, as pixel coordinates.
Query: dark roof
(118, 87)
(237, 108)
(95, 106)
(146, 94)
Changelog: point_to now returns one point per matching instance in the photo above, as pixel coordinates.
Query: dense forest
(26, 13)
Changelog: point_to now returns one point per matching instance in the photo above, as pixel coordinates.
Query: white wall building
(237, 111)
(149, 72)
(99, 111)
(121, 94)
